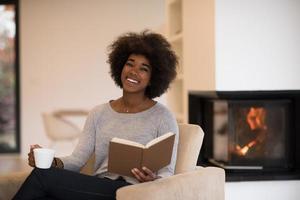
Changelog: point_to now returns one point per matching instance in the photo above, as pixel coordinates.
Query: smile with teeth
(132, 80)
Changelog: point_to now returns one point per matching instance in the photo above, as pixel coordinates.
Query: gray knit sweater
(103, 123)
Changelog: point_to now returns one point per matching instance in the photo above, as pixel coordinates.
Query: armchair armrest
(10, 184)
(200, 184)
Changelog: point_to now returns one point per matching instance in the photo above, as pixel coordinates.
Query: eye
(144, 69)
(129, 64)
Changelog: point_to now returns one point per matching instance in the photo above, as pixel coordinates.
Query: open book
(124, 155)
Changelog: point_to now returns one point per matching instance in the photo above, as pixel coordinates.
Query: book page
(158, 139)
(127, 142)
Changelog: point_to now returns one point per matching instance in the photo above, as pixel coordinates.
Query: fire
(243, 151)
(255, 118)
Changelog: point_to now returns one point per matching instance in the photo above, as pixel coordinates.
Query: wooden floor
(13, 163)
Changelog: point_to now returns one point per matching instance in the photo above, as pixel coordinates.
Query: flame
(255, 118)
(243, 151)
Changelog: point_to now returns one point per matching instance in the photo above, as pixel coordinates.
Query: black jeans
(60, 184)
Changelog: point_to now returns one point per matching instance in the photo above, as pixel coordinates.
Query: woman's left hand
(145, 175)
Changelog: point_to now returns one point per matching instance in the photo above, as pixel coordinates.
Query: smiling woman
(9, 96)
(143, 66)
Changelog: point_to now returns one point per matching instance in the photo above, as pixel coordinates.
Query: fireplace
(251, 134)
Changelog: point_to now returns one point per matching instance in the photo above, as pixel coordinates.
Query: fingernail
(144, 168)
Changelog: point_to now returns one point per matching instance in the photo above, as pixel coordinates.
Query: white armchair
(190, 182)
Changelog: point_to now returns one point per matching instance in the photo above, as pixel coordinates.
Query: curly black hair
(155, 48)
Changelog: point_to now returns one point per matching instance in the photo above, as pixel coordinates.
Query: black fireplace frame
(196, 108)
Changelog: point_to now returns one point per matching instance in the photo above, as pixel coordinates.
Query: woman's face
(136, 74)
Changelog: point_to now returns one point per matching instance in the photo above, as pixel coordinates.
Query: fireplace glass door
(251, 134)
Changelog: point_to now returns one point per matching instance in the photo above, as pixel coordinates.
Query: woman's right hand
(31, 161)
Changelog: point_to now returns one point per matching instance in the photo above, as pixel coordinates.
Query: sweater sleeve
(84, 148)
(168, 123)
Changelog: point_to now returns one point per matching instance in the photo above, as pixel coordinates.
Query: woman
(143, 65)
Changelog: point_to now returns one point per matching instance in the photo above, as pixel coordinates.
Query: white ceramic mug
(43, 157)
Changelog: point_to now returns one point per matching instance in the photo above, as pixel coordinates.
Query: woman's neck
(133, 103)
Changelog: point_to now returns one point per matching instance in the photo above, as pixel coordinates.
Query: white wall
(63, 54)
(257, 48)
(257, 44)
(264, 190)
